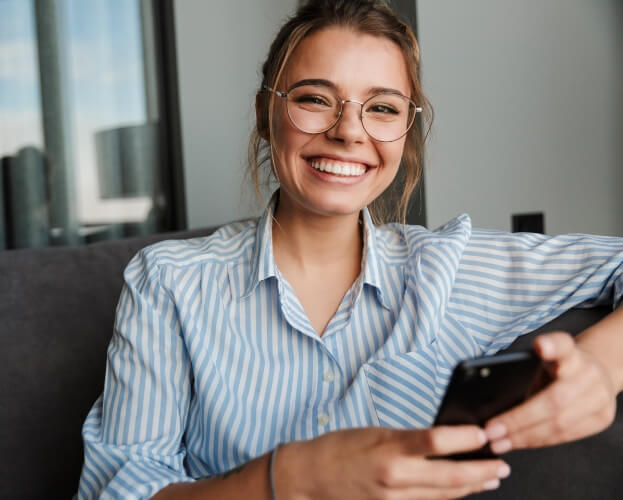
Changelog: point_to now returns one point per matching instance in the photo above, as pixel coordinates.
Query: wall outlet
(528, 223)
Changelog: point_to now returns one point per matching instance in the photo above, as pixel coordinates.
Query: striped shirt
(213, 360)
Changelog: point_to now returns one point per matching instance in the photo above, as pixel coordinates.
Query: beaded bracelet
(271, 472)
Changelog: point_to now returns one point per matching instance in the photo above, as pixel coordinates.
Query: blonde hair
(364, 16)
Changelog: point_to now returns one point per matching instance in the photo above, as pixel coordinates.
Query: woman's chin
(336, 208)
(323, 202)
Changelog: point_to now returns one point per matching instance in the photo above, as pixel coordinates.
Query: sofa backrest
(57, 308)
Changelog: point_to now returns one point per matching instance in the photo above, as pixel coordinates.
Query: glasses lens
(313, 108)
(387, 117)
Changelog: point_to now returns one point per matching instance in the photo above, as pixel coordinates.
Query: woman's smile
(338, 170)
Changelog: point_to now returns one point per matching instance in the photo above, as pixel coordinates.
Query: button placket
(323, 419)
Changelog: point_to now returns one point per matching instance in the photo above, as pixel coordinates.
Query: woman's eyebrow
(330, 84)
(385, 90)
(314, 81)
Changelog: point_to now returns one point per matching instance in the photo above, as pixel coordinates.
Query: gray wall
(220, 47)
(528, 98)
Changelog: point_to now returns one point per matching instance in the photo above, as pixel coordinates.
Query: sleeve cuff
(139, 481)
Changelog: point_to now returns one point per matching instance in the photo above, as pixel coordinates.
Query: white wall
(220, 47)
(528, 98)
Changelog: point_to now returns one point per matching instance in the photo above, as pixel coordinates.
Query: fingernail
(496, 431)
(491, 484)
(501, 446)
(504, 471)
(547, 347)
(482, 436)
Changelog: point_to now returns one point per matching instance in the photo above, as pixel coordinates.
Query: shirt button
(323, 419)
(328, 376)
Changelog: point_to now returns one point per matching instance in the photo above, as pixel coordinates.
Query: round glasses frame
(278, 93)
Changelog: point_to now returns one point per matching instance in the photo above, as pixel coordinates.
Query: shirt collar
(263, 260)
(370, 258)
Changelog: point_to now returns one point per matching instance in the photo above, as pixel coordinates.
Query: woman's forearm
(604, 340)
(250, 481)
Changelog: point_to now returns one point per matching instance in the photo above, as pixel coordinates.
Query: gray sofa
(56, 316)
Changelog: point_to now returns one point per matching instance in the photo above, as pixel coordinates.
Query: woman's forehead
(353, 61)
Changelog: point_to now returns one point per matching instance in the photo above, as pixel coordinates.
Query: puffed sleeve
(133, 435)
(508, 284)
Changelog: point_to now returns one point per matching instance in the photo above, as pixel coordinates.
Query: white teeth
(339, 168)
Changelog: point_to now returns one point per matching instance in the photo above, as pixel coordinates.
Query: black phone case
(484, 387)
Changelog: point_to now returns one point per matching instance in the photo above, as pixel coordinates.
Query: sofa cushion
(57, 309)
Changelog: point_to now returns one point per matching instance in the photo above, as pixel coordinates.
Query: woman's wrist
(289, 478)
(604, 340)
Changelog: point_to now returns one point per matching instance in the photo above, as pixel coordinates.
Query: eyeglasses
(314, 109)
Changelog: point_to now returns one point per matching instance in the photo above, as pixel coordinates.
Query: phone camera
(485, 372)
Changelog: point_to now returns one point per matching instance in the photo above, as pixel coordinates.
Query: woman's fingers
(393, 464)
(560, 351)
(588, 415)
(410, 475)
(544, 435)
(578, 403)
(554, 346)
(443, 440)
(407, 472)
(544, 406)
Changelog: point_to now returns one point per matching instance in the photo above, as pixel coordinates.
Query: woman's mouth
(336, 167)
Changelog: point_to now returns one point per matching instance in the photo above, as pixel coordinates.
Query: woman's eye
(382, 109)
(312, 99)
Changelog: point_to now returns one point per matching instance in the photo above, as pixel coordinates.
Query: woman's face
(357, 65)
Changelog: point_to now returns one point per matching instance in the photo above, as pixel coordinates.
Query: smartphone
(484, 387)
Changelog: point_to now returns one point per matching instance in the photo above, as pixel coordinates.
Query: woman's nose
(349, 127)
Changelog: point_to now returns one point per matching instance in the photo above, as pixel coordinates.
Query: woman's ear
(261, 116)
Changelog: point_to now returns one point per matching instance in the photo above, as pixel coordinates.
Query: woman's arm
(249, 481)
(509, 284)
(605, 341)
(133, 434)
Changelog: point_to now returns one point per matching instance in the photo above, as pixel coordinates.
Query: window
(86, 128)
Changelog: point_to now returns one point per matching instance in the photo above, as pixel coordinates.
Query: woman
(315, 330)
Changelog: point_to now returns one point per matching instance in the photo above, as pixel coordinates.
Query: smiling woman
(304, 354)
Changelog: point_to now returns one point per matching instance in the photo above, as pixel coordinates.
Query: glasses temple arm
(277, 92)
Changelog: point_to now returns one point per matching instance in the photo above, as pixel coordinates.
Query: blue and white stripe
(213, 360)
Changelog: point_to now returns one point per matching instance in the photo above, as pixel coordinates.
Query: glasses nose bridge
(344, 101)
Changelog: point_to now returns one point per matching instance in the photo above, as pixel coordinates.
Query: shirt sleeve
(133, 435)
(508, 284)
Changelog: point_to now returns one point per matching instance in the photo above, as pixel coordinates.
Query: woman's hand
(580, 401)
(379, 463)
